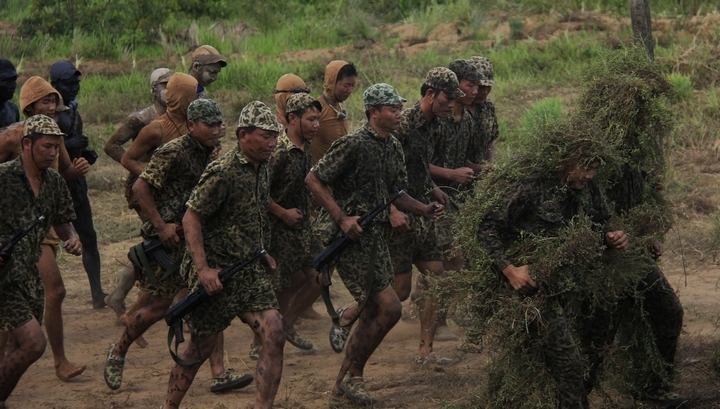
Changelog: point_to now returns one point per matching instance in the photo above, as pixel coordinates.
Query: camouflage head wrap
(41, 125)
(205, 110)
(256, 114)
(298, 102)
(465, 69)
(442, 79)
(381, 94)
(486, 68)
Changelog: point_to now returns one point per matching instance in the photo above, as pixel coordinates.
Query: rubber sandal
(445, 334)
(230, 382)
(113, 369)
(356, 393)
(255, 352)
(294, 338)
(433, 358)
(339, 334)
(663, 398)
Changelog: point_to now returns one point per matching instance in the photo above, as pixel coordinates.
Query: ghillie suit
(626, 94)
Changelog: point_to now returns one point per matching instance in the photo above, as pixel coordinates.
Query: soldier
(9, 113)
(225, 222)
(38, 97)
(66, 79)
(340, 78)
(287, 86)
(414, 240)
(31, 189)
(162, 190)
(362, 170)
(541, 205)
(483, 112)
(206, 65)
(294, 245)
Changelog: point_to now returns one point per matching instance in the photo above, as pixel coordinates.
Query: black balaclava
(8, 80)
(65, 78)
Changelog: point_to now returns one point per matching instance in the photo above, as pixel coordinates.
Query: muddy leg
(139, 322)
(304, 297)
(268, 326)
(32, 344)
(217, 357)
(428, 307)
(116, 299)
(181, 377)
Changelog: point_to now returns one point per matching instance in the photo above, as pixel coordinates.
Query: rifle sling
(139, 258)
(174, 354)
(369, 279)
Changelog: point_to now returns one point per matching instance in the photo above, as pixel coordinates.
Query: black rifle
(324, 261)
(139, 254)
(175, 314)
(7, 249)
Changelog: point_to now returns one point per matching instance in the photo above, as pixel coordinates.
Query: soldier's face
(68, 88)
(470, 88)
(388, 117)
(344, 88)
(210, 73)
(206, 134)
(577, 175)
(257, 145)
(159, 92)
(8, 84)
(310, 123)
(44, 106)
(442, 106)
(482, 94)
(44, 150)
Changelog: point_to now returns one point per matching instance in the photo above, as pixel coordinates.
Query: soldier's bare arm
(129, 129)
(291, 217)
(408, 203)
(321, 194)
(192, 226)
(166, 231)
(69, 170)
(71, 241)
(146, 142)
(7, 150)
(461, 175)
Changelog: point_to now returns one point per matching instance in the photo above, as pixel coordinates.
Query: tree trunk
(641, 25)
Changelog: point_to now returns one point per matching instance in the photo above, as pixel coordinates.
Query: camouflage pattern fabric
(41, 125)
(23, 297)
(486, 68)
(206, 111)
(292, 248)
(418, 244)
(259, 115)
(353, 264)
(487, 130)
(231, 198)
(452, 146)
(442, 79)
(465, 69)
(298, 102)
(381, 94)
(172, 173)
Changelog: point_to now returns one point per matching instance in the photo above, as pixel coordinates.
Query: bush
(682, 86)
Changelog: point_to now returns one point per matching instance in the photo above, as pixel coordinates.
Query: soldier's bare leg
(54, 296)
(379, 316)
(142, 301)
(304, 297)
(428, 307)
(268, 326)
(217, 357)
(3, 344)
(181, 377)
(31, 347)
(139, 322)
(116, 299)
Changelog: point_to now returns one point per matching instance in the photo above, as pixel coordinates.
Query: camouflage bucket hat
(205, 110)
(298, 102)
(442, 79)
(260, 116)
(41, 125)
(382, 94)
(465, 69)
(486, 68)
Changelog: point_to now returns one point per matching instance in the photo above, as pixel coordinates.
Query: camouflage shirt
(539, 206)
(362, 170)
(287, 168)
(451, 148)
(173, 171)
(21, 207)
(417, 135)
(487, 131)
(231, 198)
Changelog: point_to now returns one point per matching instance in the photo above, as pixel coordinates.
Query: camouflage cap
(205, 110)
(486, 68)
(381, 94)
(160, 76)
(207, 54)
(465, 69)
(300, 101)
(260, 116)
(41, 125)
(442, 79)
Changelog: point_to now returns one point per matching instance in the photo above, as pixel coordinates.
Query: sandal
(356, 392)
(339, 334)
(294, 338)
(230, 382)
(113, 369)
(255, 352)
(664, 398)
(433, 358)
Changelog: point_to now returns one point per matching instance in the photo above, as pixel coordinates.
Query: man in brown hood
(287, 86)
(340, 78)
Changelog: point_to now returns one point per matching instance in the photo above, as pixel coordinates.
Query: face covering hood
(7, 89)
(287, 82)
(34, 89)
(181, 91)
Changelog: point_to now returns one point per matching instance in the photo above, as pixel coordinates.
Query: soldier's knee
(55, 295)
(35, 347)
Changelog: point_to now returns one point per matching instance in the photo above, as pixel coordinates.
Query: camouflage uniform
(231, 199)
(542, 206)
(22, 296)
(292, 248)
(362, 169)
(485, 117)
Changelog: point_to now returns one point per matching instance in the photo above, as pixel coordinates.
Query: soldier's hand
(520, 279)
(73, 246)
(441, 197)
(617, 240)
(268, 264)
(350, 227)
(462, 175)
(292, 217)
(399, 221)
(210, 280)
(77, 142)
(434, 210)
(168, 235)
(81, 165)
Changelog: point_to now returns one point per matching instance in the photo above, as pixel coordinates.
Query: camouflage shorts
(419, 244)
(51, 238)
(292, 250)
(444, 227)
(250, 291)
(353, 263)
(169, 286)
(22, 300)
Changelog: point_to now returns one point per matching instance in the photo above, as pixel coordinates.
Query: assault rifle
(155, 248)
(175, 314)
(7, 249)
